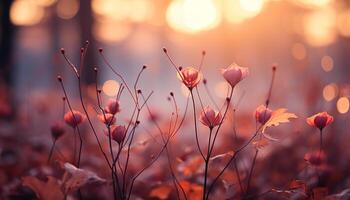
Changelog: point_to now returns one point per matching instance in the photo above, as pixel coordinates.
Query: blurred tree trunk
(6, 32)
(6, 76)
(86, 21)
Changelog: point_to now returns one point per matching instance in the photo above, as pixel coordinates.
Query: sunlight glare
(110, 88)
(319, 27)
(25, 13)
(238, 11)
(330, 91)
(192, 16)
(343, 105)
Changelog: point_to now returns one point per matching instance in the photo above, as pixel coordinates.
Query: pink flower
(112, 106)
(233, 74)
(74, 118)
(118, 133)
(262, 114)
(190, 77)
(57, 130)
(107, 118)
(320, 120)
(209, 117)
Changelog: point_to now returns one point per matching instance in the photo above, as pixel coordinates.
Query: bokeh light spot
(330, 91)
(327, 63)
(343, 105)
(110, 88)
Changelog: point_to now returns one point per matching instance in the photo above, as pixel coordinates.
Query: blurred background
(309, 41)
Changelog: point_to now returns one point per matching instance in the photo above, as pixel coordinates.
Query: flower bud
(320, 120)
(112, 106)
(262, 114)
(209, 117)
(74, 118)
(233, 74)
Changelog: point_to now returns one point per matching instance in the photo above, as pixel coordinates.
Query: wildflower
(233, 74)
(57, 130)
(190, 77)
(107, 118)
(209, 117)
(74, 118)
(262, 114)
(118, 133)
(112, 106)
(320, 120)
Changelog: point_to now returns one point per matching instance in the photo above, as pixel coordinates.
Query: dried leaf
(76, 178)
(193, 191)
(298, 184)
(278, 116)
(269, 137)
(261, 143)
(220, 157)
(191, 166)
(49, 190)
(161, 192)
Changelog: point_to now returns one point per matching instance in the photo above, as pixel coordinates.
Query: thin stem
(238, 176)
(119, 75)
(127, 158)
(321, 141)
(319, 157)
(83, 105)
(210, 95)
(207, 165)
(195, 125)
(159, 153)
(231, 159)
(202, 59)
(51, 150)
(251, 171)
(71, 110)
(222, 120)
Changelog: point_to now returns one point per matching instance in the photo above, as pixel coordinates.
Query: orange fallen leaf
(191, 166)
(260, 143)
(49, 190)
(193, 191)
(161, 192)
(220, 157)
(297, 184)
(75, 178)
(277, 117)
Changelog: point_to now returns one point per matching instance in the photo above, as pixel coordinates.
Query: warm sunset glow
(343, 105)
(192, 16)
(251, 5)
(26, 13)
(133, 10)
(221, 89)
(44, 3)
(319, 27)
(238, 11)
(67, 9)
(184, 90)
(312, 4)
(298, 51)
(110, 31)
(330, 91)
(327, 63)
(343, 23)
(110, 88)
